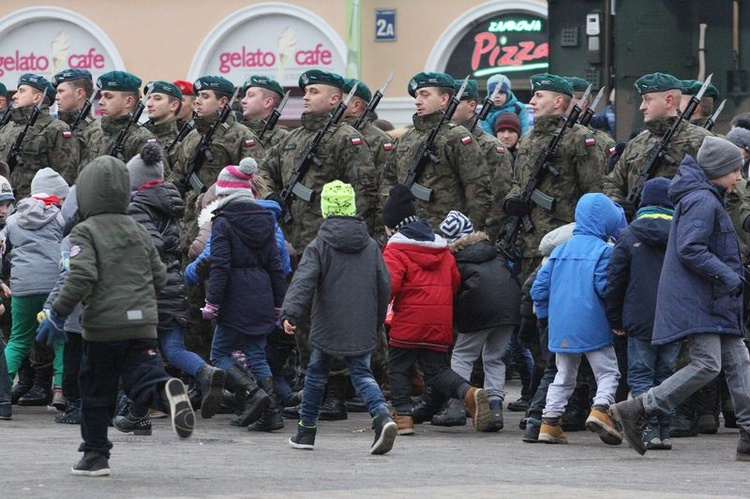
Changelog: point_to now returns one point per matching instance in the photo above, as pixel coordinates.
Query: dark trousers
(72, 366)
(103, 364)
(4, 378)
(437, 372)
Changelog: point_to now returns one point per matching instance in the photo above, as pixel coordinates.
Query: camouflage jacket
(269, 139)
(605, 143)
(460, 181)
(134, 141)
(581, 170)
(49, 143)
(738, 208)
(344, 156)
(687, 140)
(166, 133)
(87, 131)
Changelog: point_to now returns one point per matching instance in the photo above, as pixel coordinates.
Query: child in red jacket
(424, 278)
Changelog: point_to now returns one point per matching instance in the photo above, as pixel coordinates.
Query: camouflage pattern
(49, 143)
(581, 168)
(700, 122)
(605, 143)
(345, 156)
(86, 132)
(460, 181)
(738, 208)
(165, 132)
(136, 138)
(687, 140)
(269, 139)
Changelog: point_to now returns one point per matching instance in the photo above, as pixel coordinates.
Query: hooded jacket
(511, 105)
(343, 274)
(115, 271)
(700, 290)
(569, 289)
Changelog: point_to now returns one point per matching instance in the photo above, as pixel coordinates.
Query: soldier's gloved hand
(629, 208)
(516, 207)
(527, 333)
(210, 311)
(50, 331)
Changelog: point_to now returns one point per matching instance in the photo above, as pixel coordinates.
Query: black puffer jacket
(158, 207)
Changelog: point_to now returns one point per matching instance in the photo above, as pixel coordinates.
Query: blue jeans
(364, 383)
(172, 343)
(648, 366)
(226, 340)
(523, 361)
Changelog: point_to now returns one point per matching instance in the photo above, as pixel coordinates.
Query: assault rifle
(14, 157)
(590, 110)
(84, 111)
(374, 101)
(115, 149)
(203, 151)
(185, 129)
(660, 148)
(6, 116)
(486, 107)
(712, 120)
(293, 185)
(426, 151)
(275, 115)
(531, 192)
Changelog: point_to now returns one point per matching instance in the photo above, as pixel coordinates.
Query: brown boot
(600, 423)
(479, 409)
(405, 424)
(551, 431)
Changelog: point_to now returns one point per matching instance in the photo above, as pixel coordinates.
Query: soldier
(48, 143)
(604, 141)
(185, 113)
(74, 88)
(261, 96)
(119, 95)
(660, 94)
(460, 180)
(163, 105)
(3, 98)
(706, 108)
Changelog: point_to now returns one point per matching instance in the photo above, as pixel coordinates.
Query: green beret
(40, 83)
(429, 79)
(471, 92)
(363, 92)
(553, 83)
(578, 84)
(119, 81)
(70, 75)
(319, 77)
(692, 87)
(215, 83)
(164, 87)
(3, 90)
(264, 82)
(657, 82)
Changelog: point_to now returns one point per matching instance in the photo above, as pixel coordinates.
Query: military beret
(471, 92)
(215, 83)
(692, 87)
(578, 84)
(3, 90)
(553, 83)
(657, 82)
(185, 87)
(264, 82)
(119, 81)
(40, 83)
(319, 77)
(363, 92)
(70, 75)
(429, 79)
(164, 87)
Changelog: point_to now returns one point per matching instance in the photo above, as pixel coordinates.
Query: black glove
(516, 207)
(203, 268)
(527, 333)
(629, 208)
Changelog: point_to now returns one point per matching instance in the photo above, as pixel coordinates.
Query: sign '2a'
(385, 25)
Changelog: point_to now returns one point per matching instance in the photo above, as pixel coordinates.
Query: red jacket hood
(426, 254)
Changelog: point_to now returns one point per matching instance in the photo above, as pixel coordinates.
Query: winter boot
(195, 394)
(41, 393)
(271, 419)
(241, 382)
(404, 424)
(72, 414)
(305, 437)
(385, 434)
(211, 380)
(551, 431)
(428, 405)
(496, 415)
(130, 422)
(91, 464)
(685, 423)
(520, 405)
(600, 423)
(743, 446)
(334, 403)
(59, 401)
(633, 419)
(25, 382)
(531, 433)
(478, 407)
(454, 414)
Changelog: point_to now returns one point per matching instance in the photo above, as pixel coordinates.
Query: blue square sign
(385, 25)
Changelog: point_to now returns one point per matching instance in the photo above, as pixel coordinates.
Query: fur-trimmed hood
(465, 241)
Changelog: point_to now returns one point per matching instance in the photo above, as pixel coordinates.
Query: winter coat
(73, 320)
(204, 222)
(246, 280)
(424, 278)
(158, 208)
(511, 105)
(633, 274)
(700, 286)
(343, 274)
(489, 296)
(569, 289)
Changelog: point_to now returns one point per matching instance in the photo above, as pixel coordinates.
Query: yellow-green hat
(264, 82)
(215, 83)
(320, 77)
(553, 83)
(657, 82)
(471, 92)
(70, 75)
(692, 87)
(337, 199)
(363, 91)
(429, 79)
(164, 87)
(119, 81)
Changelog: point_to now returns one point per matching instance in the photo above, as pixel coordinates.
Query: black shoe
(25, 382)
(72, 414)
(707, 424)
(334, 405)
(38, 396)
(290, 412)
(304, 439)
(211, 381)
(138, 425)
(683, 425)
(271, 420)
(356, 404)
(743, 446)
(254, 399)
(385, 434)
(632, 418)
(496, 415)
(454, 414)
(182, 415)
(91, 464)
(520, 405)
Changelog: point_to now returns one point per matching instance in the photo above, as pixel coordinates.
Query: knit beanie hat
(6, 191)
(718, 156)
(508, 121)
(496, 80)
(740, 137)
(147, 166)
(337, 198)
(456, 225)
(655, 193)
(399, 208)
(48, 182)
(237, 178)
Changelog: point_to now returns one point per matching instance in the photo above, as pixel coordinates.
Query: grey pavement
(225, 461)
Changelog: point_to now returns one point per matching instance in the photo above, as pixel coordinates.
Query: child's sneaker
(478, 407)
(138, 425)
(385, 434)
(404, 423)
(652, 438)
(600, 423)
(531, 432)
(666, 441)
(91, 464)
(72, 414)
(183, 417)
(305, 437)
(551, 431)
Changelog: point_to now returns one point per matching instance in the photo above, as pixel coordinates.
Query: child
(569, 293)
(632, 283)
(486, 310)
(116, 271)
(424, 278)
(343, 274)
(6, 204)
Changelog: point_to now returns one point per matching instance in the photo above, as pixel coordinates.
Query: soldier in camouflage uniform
(660, 95)
(706, 107)
(119, 95)
(185, 114)
(48, 143)
(604, 141)
(163, 104)
(74, 88)
(461, 179)
(3, 102)
(261, 95)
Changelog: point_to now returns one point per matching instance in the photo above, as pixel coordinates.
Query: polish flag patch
(612, 150)
(590, 142)
(467, 140)
(500, 149)
(67, 134)
(356, 141)
(388, 146)
(152, 141)
(250, 142)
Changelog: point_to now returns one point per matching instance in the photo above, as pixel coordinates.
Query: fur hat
(147, 166)
(48, 182)
(237, 178)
